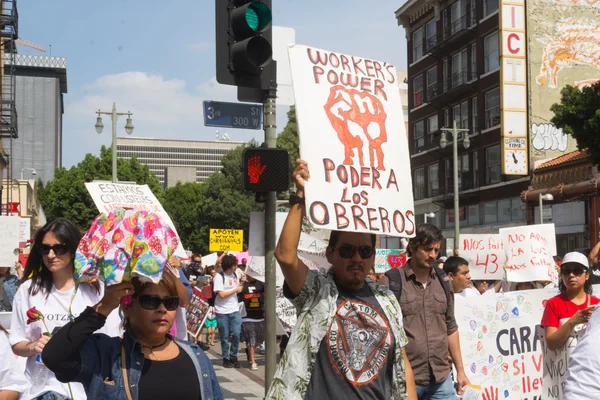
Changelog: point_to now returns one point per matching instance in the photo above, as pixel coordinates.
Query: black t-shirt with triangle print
(355, 358)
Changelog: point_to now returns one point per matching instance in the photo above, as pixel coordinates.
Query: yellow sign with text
(226, 240)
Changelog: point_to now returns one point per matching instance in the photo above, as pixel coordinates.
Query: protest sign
(529, 250)
(197, 311)
(386, 259)
(256, 269)
(24, 231)
(9, 240)
(485, 254)
(107, 196)
(499, 343)
(286, 312)
(226, 240)
(354, 141)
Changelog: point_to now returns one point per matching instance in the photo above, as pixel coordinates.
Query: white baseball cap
(576, 258)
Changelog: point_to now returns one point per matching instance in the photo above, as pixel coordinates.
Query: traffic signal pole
(270, 125)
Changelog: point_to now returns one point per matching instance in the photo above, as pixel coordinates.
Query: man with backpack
(427, 303)
(226, 286)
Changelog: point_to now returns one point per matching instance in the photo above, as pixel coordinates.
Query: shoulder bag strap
(124, 372)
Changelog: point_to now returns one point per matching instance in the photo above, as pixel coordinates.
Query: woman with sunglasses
(147, 363)
(48, 287)
(567, 314)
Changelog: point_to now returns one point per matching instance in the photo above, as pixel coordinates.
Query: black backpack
(211, 301)
(395, 283)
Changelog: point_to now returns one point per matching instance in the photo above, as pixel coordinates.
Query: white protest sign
(255, 267)
(529, 250)
(285, 311)
(389, 258)
(9, 239)
(485, 254)
(108, 196)
(24, 231)
(354, 140)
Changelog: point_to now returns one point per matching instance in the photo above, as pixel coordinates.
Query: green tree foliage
(66, 195)
(578, 114)
(288, 139)
(182, 203)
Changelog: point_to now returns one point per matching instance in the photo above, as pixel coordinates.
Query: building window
(489, 7)
(491, 53)
(430, 34)
(473, 61)
(447, 123)
(419, 183)
(504, 211)
(492, 165)
(446, 74)
(518, 210)
(474, 116)
(460, 114)
(432, 126)
(418, 90)
(458, 16)
(448, 177)
(475, 169)
(434, 180)
(417, 44)
(459, 68)
(419, 132)
(490, 212)
(431, 83)
(492, 108)
(473, 215)
(465, 181)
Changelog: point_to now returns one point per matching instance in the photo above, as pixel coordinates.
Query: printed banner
(485, 254)
(354, 140)
(226, 240)
(386, 259)
(108, 196)
(197, 311)
(9, 240)
(530, 250)
(499, 342)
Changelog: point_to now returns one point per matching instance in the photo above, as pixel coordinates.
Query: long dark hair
(35, 269)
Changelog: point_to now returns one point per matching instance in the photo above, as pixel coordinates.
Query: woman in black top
(139, 365)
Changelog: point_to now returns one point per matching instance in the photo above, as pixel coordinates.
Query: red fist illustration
(255, 170)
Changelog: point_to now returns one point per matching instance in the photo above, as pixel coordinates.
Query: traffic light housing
(266, 169)
(244, 49)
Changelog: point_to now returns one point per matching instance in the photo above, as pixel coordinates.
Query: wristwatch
(296, 200)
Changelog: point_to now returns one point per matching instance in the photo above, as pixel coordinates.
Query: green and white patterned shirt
(316, 307)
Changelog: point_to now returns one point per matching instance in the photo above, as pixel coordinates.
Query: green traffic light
(258, 16)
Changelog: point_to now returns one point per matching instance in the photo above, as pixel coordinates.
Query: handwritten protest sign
(197, 311)
(354, 141)
(286, 312)
(485, 254)
(256, 269)
(9, 239)
(107, 196)
(24, 231)
(226, 240)
(499, 342)
(529, 250)
(388, 258)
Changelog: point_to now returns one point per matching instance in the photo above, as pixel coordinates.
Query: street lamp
(114, 115)
(429, 215)
(545, 197)
(466, 144)
(33, 171)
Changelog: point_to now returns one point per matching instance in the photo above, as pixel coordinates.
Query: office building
(160, 154)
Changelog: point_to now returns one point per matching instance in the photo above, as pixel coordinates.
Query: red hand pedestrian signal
(255, 170)
(266, 169)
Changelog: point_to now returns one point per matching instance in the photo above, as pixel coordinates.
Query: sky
(157, 59)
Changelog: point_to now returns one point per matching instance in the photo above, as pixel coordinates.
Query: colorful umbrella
(125, 244)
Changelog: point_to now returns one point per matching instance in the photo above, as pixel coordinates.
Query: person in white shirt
(49, 288)
(582, 381)
(227, 285)
(12, 379)
(457, 269)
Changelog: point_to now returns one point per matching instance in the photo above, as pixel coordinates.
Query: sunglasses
(58, 249)
(152, 302)
(348, 251)
(574, 271)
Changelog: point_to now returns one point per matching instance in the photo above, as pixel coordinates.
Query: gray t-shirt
(354, 360)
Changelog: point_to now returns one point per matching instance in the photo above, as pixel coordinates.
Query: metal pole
(541, 210)
(455, 166)
(114, 143)
(270, 270)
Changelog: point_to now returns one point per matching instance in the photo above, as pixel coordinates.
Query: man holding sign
(356, 323)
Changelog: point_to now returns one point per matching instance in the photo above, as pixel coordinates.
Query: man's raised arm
(286, 252)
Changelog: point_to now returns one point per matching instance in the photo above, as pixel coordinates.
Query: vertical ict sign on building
(513, 86)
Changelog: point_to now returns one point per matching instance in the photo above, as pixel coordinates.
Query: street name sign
(232, 115)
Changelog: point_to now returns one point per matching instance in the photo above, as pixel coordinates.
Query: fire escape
(9, 21)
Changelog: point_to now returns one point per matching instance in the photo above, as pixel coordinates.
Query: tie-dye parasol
(125, 244)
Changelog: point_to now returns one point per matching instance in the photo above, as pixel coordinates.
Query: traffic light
(244, 43)
(266, 169)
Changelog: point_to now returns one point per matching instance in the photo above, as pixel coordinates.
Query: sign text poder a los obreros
(353, 138)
